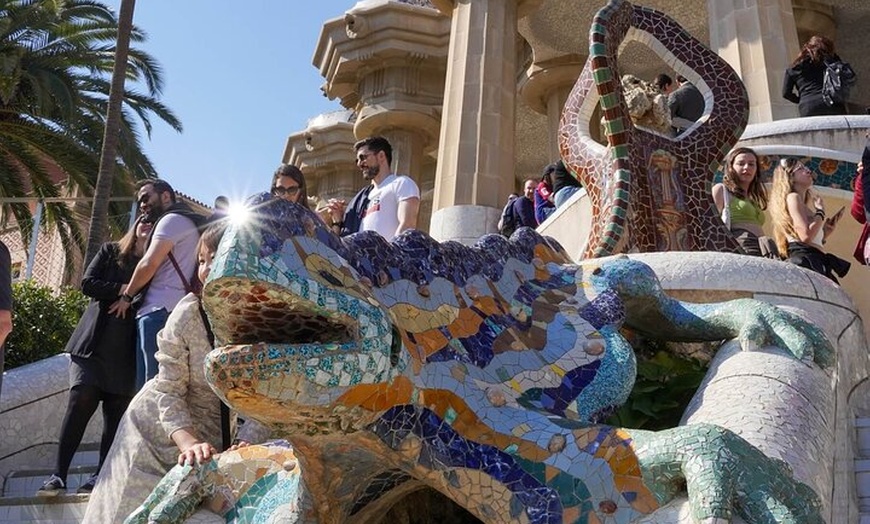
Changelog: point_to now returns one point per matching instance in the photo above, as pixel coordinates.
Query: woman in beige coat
(174, 418)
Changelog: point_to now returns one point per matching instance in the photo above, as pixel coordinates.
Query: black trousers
(807, 256)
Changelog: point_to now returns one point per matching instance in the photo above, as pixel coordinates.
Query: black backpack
(508, 219)
(838, 80)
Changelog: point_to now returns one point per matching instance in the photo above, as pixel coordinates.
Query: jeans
(146, 342)
(564, 194)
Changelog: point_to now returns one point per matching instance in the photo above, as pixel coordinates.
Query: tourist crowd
(139, 347)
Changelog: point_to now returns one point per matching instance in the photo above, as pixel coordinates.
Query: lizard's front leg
(724, 475)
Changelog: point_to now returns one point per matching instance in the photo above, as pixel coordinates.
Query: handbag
(190, 286)
(226, 437)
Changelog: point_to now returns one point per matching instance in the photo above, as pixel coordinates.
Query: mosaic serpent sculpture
(479, 372)
(650, 192)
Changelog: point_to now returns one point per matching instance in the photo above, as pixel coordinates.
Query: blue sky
(240, 78)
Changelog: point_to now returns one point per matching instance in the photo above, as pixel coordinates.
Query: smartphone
(833, 219)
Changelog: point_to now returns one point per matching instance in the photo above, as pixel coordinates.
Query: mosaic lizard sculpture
(480, 372)
(650, 191)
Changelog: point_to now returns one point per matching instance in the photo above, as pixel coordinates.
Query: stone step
(862, 468)
(19, 503)
(25, 483)
(62, 509)
(862, 477)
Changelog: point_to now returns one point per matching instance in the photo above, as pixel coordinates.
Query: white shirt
(382, 214)
(166, 288)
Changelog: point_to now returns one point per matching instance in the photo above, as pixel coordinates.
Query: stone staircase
(862, 468)
(20, 505)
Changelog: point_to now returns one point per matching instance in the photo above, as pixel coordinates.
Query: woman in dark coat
(102, 355)
(807, 74)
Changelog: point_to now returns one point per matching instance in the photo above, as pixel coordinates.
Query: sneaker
(52, 487)
(88, 486)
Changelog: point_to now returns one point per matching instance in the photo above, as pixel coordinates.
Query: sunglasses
(281, 191)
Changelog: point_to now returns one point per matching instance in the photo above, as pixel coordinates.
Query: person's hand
(324, 214)
(119, 308)
(239, 444)
(336, 208)
(196, 453)
(5, 324)
(831, 221)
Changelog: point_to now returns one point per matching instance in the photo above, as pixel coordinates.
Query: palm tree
(103, 191)
(56, 59)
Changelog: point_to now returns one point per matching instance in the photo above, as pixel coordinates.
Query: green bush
(665, 384)
(42, 321)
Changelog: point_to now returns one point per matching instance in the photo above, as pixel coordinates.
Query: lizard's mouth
(249, 312)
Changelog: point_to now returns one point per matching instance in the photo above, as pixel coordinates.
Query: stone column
(476, 149)
(387, 61)
(759, 39)
(324, 153)
(547, 88)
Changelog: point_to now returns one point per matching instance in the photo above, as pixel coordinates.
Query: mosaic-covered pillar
(759, 39)
(476, 149)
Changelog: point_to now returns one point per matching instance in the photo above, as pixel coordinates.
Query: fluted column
(387, 62)
(475, 168)
(758, 38)
(324, 152)
(546, 89)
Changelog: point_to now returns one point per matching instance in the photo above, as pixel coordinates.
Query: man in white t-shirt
(394, 200)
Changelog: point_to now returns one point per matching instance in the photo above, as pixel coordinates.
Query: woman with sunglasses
(288, 183)
(800, 225)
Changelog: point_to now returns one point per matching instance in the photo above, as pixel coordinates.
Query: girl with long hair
(102, 350)
(800, 225)
(742, 199)
(288, 183)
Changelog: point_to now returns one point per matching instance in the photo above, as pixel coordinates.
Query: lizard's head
(297, 325)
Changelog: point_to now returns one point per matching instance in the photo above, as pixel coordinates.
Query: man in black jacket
(686, 104)
(5, 303)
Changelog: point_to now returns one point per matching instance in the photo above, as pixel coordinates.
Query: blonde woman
(742, 199)
(800, 225)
